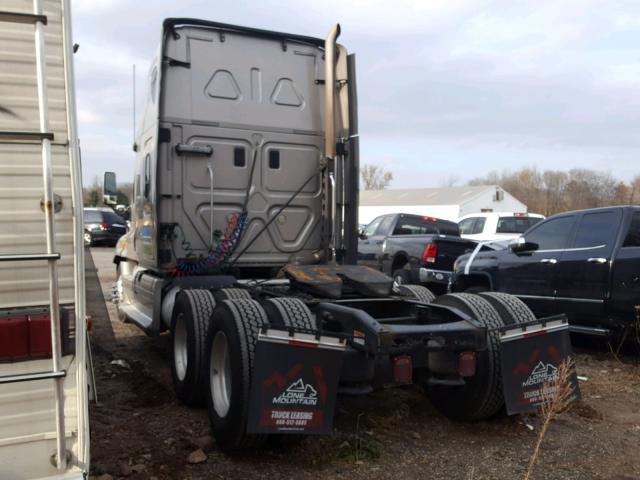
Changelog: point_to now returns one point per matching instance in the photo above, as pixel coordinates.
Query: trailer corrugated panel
(22, 227)
(30, 411)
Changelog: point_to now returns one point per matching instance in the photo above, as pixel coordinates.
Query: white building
(449, 203)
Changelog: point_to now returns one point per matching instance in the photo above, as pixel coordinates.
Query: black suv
(102, 226)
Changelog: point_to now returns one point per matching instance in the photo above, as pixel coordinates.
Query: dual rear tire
(189, 325)
(214, 344)
(231, 348)
(481, 396)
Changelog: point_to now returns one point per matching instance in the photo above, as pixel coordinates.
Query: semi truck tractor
(243, 247)
(44, 393)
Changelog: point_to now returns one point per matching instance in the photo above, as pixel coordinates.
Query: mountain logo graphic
(541, 373)
(298, 393)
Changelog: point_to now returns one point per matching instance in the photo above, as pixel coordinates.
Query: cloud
(463, 84)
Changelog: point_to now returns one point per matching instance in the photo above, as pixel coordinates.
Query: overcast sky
(447, 89)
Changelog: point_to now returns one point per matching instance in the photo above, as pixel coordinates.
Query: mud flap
(531, 355)
(295, 383)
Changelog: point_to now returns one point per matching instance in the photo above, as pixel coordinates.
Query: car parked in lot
(583, 263)
(102, 226)
(413, 248)
(489, 226)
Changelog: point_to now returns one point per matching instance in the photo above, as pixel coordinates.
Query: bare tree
(554, 191)
(374, 177)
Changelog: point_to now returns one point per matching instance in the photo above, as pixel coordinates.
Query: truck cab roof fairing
(170, 24)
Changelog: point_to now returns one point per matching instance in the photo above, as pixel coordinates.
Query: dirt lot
(140, 431)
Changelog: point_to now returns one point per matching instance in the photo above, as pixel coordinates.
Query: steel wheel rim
(220, 373)
(87, 238)
(180, 358)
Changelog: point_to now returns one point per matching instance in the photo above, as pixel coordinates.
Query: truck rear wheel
(481, 396)
(289, 312)
(231, 344)
(512, 310)
(191, 315)
(418, 292)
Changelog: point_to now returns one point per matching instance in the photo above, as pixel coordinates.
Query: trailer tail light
(104, 226)
(29, 335)
(430, 253)
(14, 337)
(403, 369)
(467, 364)
(39, 335)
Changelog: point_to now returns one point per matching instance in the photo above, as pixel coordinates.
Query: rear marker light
(467, 364)
(403, 369)
(298, 343)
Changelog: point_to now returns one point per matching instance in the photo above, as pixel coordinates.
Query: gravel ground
(140, 431)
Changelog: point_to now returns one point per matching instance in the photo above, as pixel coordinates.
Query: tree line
(552, 191)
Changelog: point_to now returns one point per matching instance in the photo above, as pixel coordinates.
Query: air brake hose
(233, 234)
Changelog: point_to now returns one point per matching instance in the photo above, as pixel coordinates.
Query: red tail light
(29, 335)
(402, 369)
(430, 219)
(104, 226)
(430, 253)
(467, 364)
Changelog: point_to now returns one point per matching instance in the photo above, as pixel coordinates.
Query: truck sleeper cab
(244, 224)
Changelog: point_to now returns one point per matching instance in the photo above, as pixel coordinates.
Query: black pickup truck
(584, 263)
(413, 248)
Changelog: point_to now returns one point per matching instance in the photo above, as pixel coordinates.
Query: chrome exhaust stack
(330, 49)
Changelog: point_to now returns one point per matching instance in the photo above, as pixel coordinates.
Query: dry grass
(560, 396)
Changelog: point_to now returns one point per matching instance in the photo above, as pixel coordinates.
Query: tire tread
(202, 304)
(294, 312)
(249, 316)
(419, 292)
(513, 310)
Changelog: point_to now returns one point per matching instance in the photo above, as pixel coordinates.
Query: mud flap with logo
(531, 355)
(295, 383)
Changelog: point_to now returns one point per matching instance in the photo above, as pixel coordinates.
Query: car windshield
(516, 224)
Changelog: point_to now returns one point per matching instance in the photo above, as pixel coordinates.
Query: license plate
(295, 383)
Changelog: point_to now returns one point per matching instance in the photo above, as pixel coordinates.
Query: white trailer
(44, 429)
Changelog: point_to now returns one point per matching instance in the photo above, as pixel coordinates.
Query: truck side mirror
(521, 246)
(110, 189)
